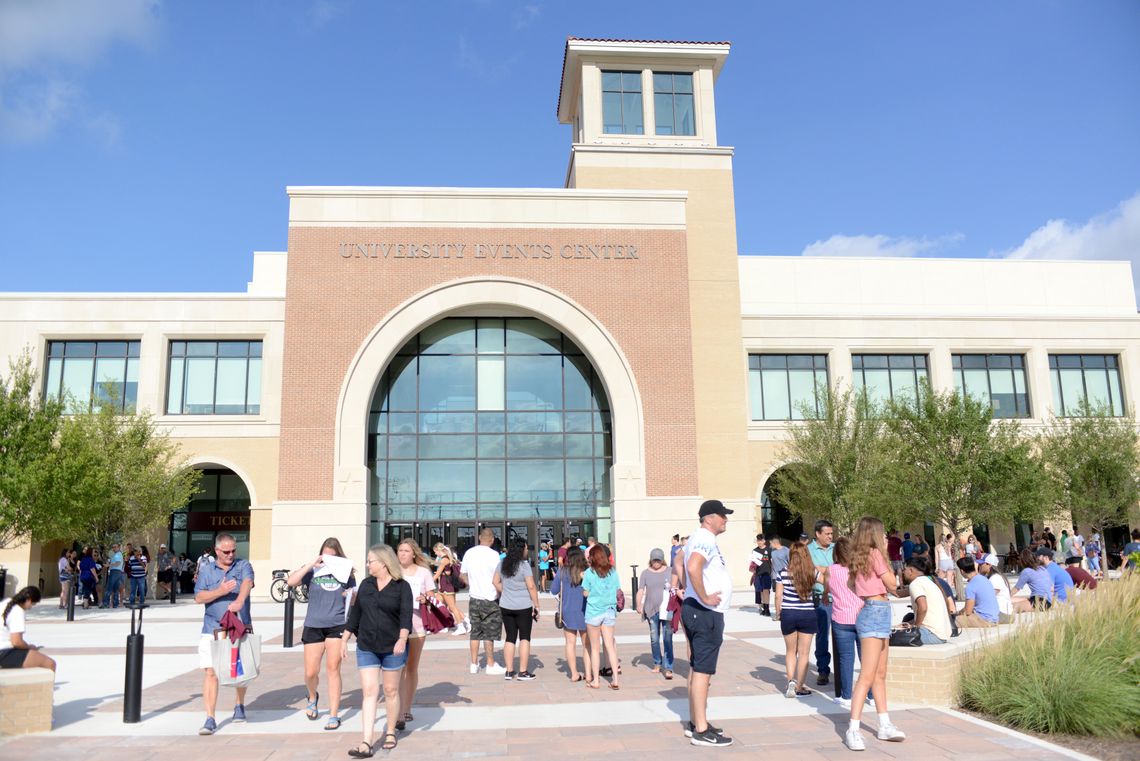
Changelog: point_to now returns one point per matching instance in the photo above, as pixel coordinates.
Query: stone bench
(25, 700)
(928, 675)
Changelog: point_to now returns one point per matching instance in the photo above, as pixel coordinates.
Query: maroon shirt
(1080, 577)
(894, 547)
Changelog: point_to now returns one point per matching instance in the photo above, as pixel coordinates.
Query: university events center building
(594, 360)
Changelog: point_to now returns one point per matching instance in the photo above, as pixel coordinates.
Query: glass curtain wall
(490, 419)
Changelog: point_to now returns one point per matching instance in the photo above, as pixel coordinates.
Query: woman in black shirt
(380, 619)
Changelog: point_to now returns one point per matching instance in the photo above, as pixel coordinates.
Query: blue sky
(146, 145)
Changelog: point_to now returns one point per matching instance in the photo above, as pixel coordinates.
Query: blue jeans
(929, 637)
(822, 639)
(846, 646)
(111, 591)
(657, 627)
(138, 588)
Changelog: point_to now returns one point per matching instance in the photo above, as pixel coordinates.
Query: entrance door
(464, 537)
(394, 532)
(430, 534)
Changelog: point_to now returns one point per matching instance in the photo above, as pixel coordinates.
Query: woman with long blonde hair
(323, 631)
(417, 572)
(381, 620)
(796, 612)
(871, 578)
(446, 571)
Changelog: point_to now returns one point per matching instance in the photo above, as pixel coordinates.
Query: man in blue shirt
(1062, 583)
(908, 547)
(822, 551)
(981, 609)
(223, 585)
(114, 577)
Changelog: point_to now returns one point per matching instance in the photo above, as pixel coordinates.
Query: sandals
(615, 686)
(311, 712)
(593, 686)
(357, 753)
(389, 744)
(408, 716)
(655, 670)
(577, 678)
(606, 671)
(668, 674)
(803, 693)
(332, 722)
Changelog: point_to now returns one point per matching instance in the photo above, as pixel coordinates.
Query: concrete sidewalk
(458, 714)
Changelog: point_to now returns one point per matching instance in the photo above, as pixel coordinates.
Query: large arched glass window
(487, 419)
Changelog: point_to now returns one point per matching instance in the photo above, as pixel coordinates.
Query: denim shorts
(366, 659)
(606, 618)
(874, 620)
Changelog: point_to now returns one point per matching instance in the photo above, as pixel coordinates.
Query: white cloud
(1112, 235)
(879, 245)
(526, 15)
(43, 46)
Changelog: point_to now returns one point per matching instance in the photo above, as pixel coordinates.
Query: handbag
(620, 601)
(238, 662)
(906, 638)
(436, 617)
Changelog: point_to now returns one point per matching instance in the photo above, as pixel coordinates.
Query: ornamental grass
(1074, 670)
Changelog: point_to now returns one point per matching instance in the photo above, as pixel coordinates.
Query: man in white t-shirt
(478, 571)
(708, 593)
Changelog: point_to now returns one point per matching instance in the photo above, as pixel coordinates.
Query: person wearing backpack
(448, 582)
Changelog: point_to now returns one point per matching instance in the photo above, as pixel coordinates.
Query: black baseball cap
(710, 506)
(1044, 552)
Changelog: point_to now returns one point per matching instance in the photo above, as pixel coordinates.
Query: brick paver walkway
(461, 715)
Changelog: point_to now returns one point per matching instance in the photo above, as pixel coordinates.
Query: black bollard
(71, 601)
(633, 588)
(287, 635)
(132, 683)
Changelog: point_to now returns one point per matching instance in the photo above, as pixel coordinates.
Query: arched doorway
(775, 517)
(495, 421)
(220, 505)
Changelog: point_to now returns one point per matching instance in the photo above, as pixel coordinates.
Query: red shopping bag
(436, 616)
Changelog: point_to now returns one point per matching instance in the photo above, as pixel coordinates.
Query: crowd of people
(108, 579)
(814, 587)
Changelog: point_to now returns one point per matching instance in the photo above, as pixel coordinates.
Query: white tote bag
(236, 663)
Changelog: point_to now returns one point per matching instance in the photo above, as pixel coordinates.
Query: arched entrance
(775, 517)
(495, 421)
(221, 505)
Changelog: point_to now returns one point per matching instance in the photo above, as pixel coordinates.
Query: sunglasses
(227, 552)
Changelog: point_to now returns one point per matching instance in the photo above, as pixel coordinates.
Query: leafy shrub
(1074, 670)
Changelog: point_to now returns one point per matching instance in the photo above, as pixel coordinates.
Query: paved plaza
(460, 715)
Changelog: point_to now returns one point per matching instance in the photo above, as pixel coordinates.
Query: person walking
(708, 594)
(66, 574)
(779, 554)
(572, 609)
(822, 554)
(486, 621)
(1092, 555)
(895, 551)
(323, 632)
(600, 586)
(518, 605)
(798, 621)
(446, 579)
(652, 591)
(165, 576)
(945, 560)
(381, 620)
(222, 586)
(761, 564)
(15, 651)
(87, 577)
(417, 572)
(873, 579)
(845, 607)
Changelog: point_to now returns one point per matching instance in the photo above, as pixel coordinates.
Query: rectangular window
(621, 103)
(1092, 378)
(996, 379)
(214, 378)
(889, 377)
(87, 373)
(673, 104)
(786, 386)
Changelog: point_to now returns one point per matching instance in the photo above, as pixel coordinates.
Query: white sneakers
(891, 733)
(843, 703)
(791, 691)
(495, 669)
(854, 740)
(462, 628)
(474, 668)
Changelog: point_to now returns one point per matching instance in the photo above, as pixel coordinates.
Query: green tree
(1094, 460)
(29, 426)
(118, 475)
(953, 465)
(835, 462)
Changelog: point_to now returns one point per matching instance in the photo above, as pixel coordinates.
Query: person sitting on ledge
(981, 609)
(931, 616)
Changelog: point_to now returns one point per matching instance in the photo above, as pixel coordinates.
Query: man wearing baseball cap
(988, 567)
(165, 573)
(708, 593)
